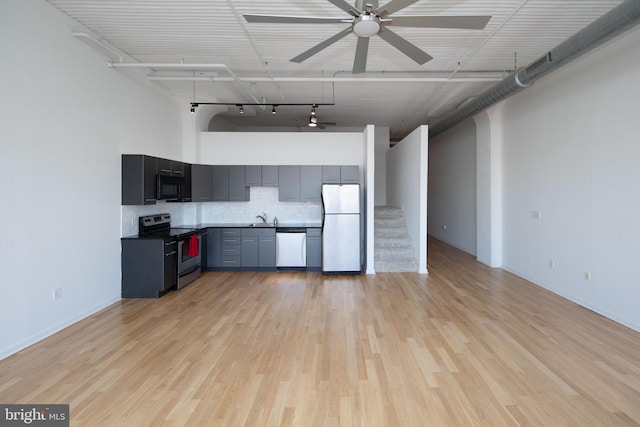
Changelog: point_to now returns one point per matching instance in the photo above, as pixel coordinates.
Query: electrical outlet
(587, 276)
(535, 214)
(57, 294)
(552, 264)
(133, 222)
(444, 227)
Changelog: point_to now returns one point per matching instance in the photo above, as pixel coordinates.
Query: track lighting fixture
(241, 109)
(313, 121)
(273, 109)
(313, 109)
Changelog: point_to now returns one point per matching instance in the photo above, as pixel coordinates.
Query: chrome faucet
(263, 217)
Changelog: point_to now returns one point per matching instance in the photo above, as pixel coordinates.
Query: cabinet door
(289, 183)
(138, 180)
(214, 248)
(349, 175)
(314, 248)
(249, 251)
(267, 248)
(253, 176)
(201, 183)
(269, 176)
(163, 166)
(238, 190)
(310, 183)
(187, 182)
(331, 174)
(220, 183)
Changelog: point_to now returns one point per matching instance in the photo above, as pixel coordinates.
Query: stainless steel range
(188, 265)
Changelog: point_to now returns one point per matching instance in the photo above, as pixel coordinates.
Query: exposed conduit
(186, 66)
(100, 43)
(615, 22)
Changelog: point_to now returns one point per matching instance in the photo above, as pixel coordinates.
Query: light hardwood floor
(464, 346)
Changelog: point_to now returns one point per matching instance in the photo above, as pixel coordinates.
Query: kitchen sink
(261, 224)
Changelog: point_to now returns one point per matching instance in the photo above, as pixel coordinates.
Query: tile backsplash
(263, 200)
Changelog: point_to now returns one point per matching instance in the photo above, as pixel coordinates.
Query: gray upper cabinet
(220, 183)
(349, 175)
(201, 183)
(253, 176)
(289, 183)
(331, 174)
(310, 183)
(238, 190)
(269, 176)
(138, 179)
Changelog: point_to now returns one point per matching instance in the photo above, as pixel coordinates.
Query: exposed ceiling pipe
(330, 79)
(100, 43)
(158, 65)
(615, 22)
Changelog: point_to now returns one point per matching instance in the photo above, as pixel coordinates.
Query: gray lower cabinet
(314, 248)
(148, 267)
(289, 183)
(201, 183)
(241, 248)
(138, 179)
(310, 183)
(214, 248)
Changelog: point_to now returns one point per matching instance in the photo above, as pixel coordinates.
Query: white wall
(407, 163)
(568, 148)
(382, 145)
(571, 152)
(452, 187)
(66, 118)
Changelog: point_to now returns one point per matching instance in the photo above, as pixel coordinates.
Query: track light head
(313, 121)
(313, 110)
(273, 109)
(241, 109)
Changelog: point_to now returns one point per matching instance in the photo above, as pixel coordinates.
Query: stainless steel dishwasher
(291, 247)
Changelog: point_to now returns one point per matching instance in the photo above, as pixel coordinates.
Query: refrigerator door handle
(322, 211)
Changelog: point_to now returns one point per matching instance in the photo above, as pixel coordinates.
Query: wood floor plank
(466, 345)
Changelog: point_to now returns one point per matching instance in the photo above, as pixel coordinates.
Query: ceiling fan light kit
(367, 22)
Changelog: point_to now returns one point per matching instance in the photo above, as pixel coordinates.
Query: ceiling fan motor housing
(366, 25)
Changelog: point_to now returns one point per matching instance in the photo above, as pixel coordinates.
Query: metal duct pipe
(615, 22)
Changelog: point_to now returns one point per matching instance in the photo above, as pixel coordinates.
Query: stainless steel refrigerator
(341, 228)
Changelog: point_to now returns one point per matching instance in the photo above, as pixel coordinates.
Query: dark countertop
(204, 226)
(246, 225)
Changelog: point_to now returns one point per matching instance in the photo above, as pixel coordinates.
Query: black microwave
(170, 187)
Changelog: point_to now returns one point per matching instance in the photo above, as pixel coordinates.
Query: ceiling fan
(368, 19)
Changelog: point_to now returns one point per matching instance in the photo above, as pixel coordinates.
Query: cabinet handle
(170, 253)
(170, 243)
(178, 172)
(149, 200)
(165, 170)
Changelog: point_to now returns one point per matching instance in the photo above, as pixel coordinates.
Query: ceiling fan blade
(346, 7)
(463, 22)
(290, 19)
(362, 50)
(394, 6)
(411, 50)
(320, 46)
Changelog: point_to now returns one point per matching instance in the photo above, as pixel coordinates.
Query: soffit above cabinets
(394, 91)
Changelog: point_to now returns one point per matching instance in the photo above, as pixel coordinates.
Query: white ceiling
(394, 92)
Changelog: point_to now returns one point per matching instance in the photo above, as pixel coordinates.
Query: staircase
(393, 249)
